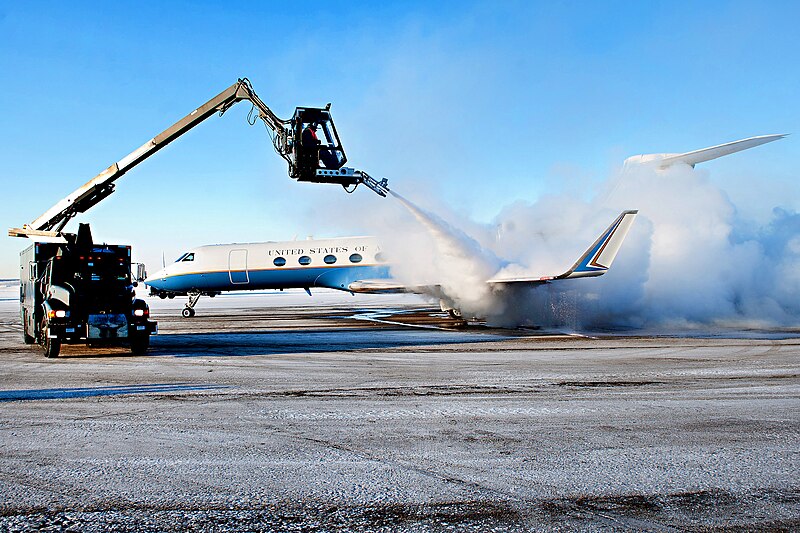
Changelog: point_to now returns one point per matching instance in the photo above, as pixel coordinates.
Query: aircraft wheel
(187, 312)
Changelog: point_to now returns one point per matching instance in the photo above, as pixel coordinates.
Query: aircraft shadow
(255, 343)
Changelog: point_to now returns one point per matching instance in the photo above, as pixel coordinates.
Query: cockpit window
(188, 257)
(178, 260)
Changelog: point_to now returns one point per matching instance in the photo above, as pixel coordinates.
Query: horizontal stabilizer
(703, 155)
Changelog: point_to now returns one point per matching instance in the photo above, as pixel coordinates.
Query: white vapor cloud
(690, 259)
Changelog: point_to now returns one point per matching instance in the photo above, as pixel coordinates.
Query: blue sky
(475, 104)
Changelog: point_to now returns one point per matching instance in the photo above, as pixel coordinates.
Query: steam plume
(690, 259)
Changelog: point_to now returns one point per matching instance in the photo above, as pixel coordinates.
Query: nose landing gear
(188, 311)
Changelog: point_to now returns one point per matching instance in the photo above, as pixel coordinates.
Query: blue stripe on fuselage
(332, 278)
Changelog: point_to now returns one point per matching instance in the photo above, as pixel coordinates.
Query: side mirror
(141, 272)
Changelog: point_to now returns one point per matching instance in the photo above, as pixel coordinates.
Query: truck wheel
(51, 346)
(187, 312)
(27, 338)
(139, 345)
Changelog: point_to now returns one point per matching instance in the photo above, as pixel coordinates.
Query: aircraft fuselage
(329, 263)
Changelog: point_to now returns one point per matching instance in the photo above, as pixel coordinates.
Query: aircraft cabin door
(237, 267)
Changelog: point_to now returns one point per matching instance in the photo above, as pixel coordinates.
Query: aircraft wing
(704, 154)
(595, 261)
(380, 286)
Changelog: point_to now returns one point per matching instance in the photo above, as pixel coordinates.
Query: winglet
(705, 154)
(598, 258)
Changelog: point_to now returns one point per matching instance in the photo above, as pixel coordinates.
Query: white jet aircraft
(353, 264)
(356, 265)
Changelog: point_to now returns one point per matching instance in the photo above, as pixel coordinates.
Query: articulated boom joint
(350, 178)
(379, 187)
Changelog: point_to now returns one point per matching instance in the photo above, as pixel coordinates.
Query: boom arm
(53, 221)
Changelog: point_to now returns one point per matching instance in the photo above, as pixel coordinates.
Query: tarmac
(340, 413)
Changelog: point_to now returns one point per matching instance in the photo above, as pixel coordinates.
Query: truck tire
(139, 345)
(27, 338)
(51, 346)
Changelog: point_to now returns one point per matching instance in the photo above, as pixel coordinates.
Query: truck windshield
(104, 268)
(95, 267)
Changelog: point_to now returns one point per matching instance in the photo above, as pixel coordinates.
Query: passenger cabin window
(355, 258)
(279, 261)
(304, 260)
(330, 259)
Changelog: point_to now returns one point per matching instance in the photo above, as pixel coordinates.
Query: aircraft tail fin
(597, 259)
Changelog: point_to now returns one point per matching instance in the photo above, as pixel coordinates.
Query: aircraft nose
(154, 280)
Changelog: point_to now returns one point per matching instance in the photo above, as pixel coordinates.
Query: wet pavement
(289, 416)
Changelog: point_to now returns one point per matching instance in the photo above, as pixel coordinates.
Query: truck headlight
(60, 313)
(140, 312)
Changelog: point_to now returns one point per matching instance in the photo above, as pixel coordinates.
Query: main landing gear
(188, 311)
(453, 312)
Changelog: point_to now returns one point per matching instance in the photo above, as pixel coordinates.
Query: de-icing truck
(80, 292)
